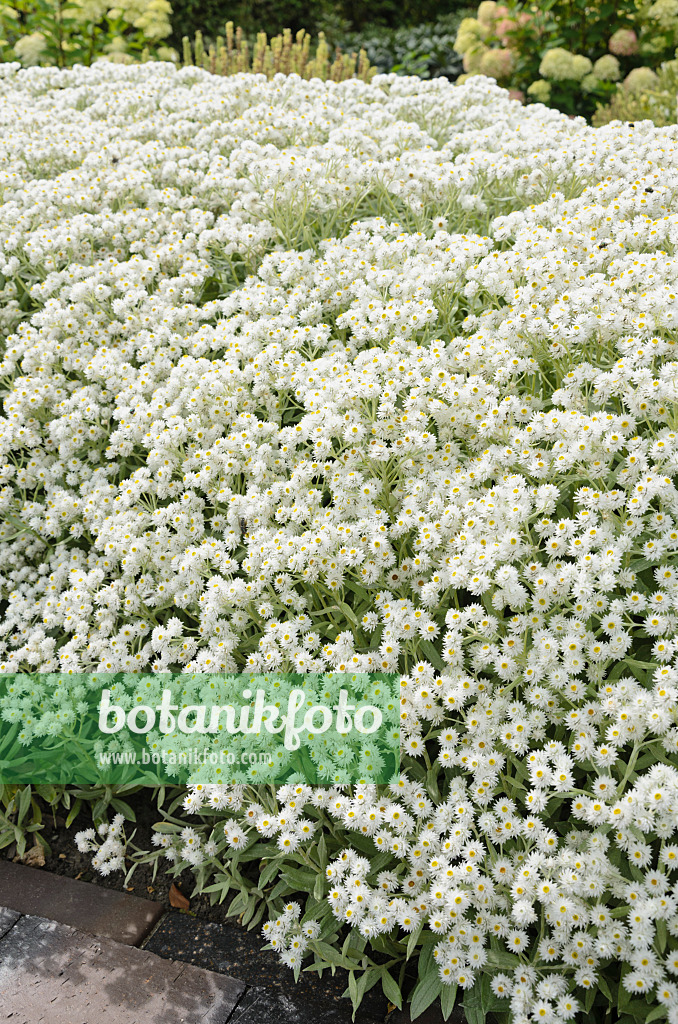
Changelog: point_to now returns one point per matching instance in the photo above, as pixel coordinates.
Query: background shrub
(67, 32)
(269, 16)
(657, 103)
(426, 50)
(272, 16)
(572, 54)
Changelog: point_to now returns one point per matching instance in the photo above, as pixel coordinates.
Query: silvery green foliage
(421, 341)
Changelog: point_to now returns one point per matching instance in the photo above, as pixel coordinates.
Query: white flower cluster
(308, 377)
(289, 937)
(108, 844)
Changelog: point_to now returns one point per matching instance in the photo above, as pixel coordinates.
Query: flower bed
(377, 377)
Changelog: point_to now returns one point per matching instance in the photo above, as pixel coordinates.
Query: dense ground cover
(308, 376)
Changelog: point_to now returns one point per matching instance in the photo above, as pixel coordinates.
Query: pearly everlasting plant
(107, 843)
(366, 377)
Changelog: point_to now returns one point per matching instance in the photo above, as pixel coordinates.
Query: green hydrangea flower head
(665, 13)
(540, 91)
(487, 12)
(469, 34)
(607, 69)
(590, 82)
(556, 64)
(640, 80)
(29, 48)
(473, 59)
(581, 66)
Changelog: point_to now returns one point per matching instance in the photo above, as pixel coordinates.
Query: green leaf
(303, 881)
(640, 1010)
(413, 939)
(353, 989)
(605, 988)
(430, 652)
(249, 912)
(364, 844)
(24, 804)
(391, 989)
(20, 841)
(360, 592)
(6, 838)
(642, 563)
(281, 889)
(640, 669)
(502, 959)
(271, 869)
(341, 606)
(221, 886)
(379, 862)
(258, 916)
(656, 1013)
(48, 793)
(237, 905)
(448, 998)
(428, 989)
(432, 782)
(124, 808)
(426, 962)
(473, 1005)
(366, 981)
(330, 955)
(616, 671)
(73, 813)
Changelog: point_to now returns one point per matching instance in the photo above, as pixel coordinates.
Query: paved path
(116, 915)
(52, 973)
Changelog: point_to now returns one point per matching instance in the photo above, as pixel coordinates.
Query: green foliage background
(272, 16)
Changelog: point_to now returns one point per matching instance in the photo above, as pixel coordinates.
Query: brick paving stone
(51, 973)
(117, 915)
(8, 918)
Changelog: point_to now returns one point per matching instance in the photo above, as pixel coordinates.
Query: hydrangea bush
(66, 32)
(377, 377)
(572, 55)
(654, 98)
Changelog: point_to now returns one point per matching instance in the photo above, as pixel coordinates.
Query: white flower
(441, 443)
